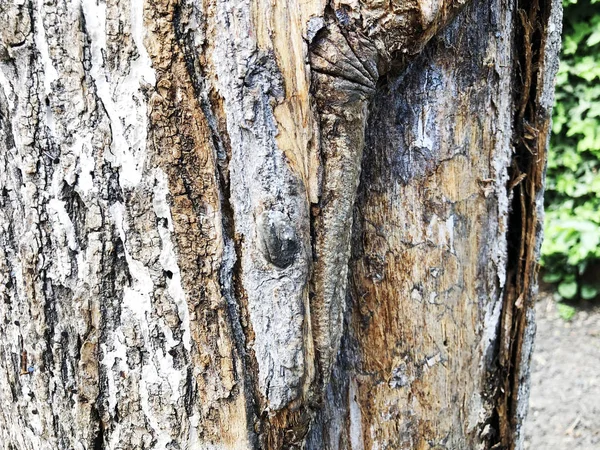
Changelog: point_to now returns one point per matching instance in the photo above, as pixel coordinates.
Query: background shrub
(571, 249)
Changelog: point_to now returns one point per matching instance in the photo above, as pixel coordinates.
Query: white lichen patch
(168, 257)
(65, 238)
(157, 374)
(50, 73)
(430, 10)
(121, 94)
(116, 354)
(356, 432)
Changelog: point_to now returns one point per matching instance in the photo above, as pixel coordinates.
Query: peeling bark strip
(264, 224)
(538, 28)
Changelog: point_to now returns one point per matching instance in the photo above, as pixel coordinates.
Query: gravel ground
(564, 407)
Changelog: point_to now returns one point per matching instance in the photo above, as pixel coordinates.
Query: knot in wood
(278, 238)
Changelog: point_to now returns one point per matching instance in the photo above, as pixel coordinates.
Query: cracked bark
(270, 225)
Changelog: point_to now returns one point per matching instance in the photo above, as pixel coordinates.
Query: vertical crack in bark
(189, 148)
(537, 29)
(231, 288)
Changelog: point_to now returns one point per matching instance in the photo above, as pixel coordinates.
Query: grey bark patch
(273, 256)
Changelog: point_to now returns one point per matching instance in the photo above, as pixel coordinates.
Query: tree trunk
(270, 224)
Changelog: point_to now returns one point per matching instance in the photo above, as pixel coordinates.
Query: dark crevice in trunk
(76, 209)
(115, 276)
(526, 175)
(185, 38)
(98, 442)
(230, 281)
(233, 292)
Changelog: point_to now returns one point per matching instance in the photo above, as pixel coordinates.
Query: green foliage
(572, 235)
(566, 312)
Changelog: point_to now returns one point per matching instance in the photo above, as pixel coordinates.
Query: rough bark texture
(261, 224)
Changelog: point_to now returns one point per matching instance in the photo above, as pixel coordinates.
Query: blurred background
(564, 411)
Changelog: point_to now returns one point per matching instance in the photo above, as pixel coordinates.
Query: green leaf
(567, 289)
(552, 277)
(565, 312)
(593, 39)
(588, 292)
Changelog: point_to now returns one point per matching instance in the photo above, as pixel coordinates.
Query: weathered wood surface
(267, 224)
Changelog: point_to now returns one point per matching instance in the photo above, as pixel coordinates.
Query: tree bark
(270, 224)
